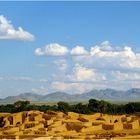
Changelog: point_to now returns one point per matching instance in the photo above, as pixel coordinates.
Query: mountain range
(105, 94)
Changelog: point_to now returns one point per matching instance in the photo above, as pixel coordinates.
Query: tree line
(93, 106)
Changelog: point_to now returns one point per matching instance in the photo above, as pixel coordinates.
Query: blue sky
(68, 46)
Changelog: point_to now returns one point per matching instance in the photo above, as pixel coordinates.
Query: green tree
(130, 108)
(81, 108)
(94, 105)
(103, 106)
(21, 105)
(63, 106)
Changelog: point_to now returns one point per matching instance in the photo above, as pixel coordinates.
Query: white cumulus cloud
(102, 66)
(38, 52)
(55, 49)
(79, 50)
(111, 58)
(81, 73)
(52, 49)
(71, 87)
(106, 46)
(7, 31)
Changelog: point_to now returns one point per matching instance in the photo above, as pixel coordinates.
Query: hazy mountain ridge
(106, 94)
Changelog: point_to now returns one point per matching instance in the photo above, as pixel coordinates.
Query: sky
(72, 47)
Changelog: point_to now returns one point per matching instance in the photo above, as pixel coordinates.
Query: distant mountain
(24, 96)
(58, 96)
(106, 94)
